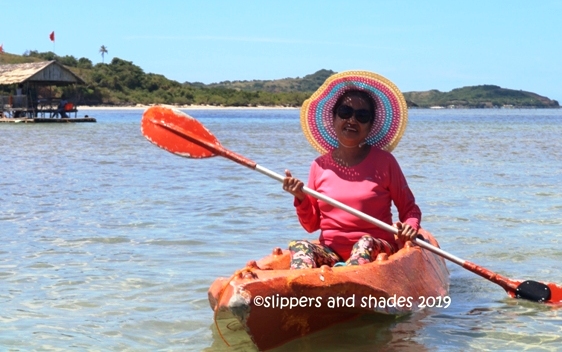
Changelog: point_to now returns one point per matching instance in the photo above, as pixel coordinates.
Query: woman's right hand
(293, 186)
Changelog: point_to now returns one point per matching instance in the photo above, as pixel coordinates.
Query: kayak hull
(276, 305)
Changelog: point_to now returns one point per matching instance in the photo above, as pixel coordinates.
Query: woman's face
(351, 132)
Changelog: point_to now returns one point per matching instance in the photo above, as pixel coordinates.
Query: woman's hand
(405, 231)
(293, 186)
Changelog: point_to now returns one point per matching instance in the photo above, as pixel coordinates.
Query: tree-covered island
(122, 83)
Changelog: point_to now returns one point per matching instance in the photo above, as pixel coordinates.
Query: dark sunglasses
(345, 112)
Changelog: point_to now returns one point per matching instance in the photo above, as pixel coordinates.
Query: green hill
(121, 82)
(484, 96)
(308, 83)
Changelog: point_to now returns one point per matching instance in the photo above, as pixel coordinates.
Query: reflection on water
(109, 243)
(365, 333)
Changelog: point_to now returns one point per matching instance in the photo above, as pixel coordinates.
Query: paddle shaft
(220, 150)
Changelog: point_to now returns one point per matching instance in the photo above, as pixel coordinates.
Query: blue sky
(419, 45)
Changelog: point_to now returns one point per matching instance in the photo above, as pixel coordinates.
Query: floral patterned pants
(305, 254)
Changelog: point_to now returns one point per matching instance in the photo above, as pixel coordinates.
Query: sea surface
(109, 243)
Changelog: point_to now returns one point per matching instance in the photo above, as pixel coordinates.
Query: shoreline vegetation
(121, 84)
(215, 107)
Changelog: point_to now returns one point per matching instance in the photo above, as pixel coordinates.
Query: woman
(354, 119)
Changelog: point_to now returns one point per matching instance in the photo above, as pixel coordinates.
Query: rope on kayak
(216, 310)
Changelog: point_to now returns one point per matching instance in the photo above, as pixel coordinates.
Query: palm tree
(103, 51)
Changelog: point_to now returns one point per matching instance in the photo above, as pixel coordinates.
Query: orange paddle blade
(153, 128)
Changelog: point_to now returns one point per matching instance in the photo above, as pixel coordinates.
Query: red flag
(1, 48)
(52, 36)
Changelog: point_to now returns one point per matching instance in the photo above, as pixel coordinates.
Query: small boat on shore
(276, 305)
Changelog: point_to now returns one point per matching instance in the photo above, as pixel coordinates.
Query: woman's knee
(297, 245)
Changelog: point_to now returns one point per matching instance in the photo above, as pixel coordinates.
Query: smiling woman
(353, 120)
(357, 117)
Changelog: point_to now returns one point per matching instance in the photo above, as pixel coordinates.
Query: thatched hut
(28, 80)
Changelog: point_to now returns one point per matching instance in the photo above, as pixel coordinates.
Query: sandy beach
(140, 107)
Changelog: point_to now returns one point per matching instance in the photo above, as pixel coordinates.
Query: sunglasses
(345, 112)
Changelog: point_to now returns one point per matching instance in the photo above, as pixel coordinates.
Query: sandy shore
(186, 107)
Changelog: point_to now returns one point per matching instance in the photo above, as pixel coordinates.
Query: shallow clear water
(109, 243)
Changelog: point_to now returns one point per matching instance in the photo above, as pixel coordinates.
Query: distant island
(121, 83)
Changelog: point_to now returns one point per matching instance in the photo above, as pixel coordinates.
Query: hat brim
(391, 115)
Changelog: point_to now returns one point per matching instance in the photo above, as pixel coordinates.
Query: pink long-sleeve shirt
(369, 187)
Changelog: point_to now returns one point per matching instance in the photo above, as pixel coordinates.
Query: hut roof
(44, 72)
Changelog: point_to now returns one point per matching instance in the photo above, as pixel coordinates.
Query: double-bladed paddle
(181, 134)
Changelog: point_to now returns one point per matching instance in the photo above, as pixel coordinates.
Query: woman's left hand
(405, 231)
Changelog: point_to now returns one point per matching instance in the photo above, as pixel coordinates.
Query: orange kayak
(276, 305)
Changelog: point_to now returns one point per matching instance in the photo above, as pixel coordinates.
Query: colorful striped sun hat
(391, 114)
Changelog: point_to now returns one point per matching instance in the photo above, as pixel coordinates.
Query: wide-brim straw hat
(391, 115)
